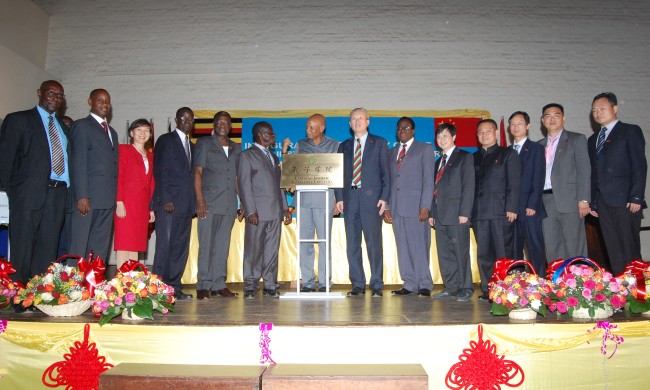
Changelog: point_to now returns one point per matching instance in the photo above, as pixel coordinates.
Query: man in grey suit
(94, 178)
(411, 193)
(567, 187)
(313, 210)
(264, 203)
(451, 209)
(215, 184)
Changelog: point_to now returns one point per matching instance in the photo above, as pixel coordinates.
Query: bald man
(313, 210)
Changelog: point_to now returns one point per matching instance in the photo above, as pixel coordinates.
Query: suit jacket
(375, 175)
(533, 172)
(259, 185)
(24, 164)
(94, 163)
(411, 187)
(498, 183)
(619, 174)
(219, 178)
(455, 188)
(571, 173)
(173, 175)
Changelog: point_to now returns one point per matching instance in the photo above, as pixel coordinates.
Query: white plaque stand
(327, 240)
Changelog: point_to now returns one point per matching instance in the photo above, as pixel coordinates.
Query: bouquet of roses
(60, 285)
(582, 287)
(8, 288)
(520, 290)
(137, 292)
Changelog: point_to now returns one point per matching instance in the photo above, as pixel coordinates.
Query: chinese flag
(465, 130)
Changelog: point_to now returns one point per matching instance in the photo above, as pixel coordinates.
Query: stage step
(345, 377)
(136, 376)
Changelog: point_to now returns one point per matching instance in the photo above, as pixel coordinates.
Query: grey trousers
(313, 220)
(214, 245)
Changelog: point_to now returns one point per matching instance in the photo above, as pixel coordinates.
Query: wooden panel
(135, 376)
(345, 377)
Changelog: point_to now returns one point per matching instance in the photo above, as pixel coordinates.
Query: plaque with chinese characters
(325, 169)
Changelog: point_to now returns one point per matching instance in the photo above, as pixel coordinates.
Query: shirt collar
(98, 118)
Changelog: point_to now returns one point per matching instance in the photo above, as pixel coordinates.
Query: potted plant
(134, 294)
(520, 295)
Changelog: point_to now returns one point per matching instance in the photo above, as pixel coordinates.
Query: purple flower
(129, 297)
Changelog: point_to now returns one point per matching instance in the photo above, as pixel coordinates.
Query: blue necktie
(601, 141)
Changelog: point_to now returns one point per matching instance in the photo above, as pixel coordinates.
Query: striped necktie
(356, 170)
(601, 141)
(401, 155)
(58, 162)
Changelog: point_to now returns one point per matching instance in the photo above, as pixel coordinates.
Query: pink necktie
(549, 149)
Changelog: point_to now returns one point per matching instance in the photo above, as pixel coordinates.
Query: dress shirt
(549, 165)
(408, 146)
(100, 120)
(521, 145)
(45, 117)
(609, 128)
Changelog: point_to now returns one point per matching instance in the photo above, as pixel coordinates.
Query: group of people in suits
(530, 195)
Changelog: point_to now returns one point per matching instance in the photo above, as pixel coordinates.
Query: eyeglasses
(404, 128)
(52, 94)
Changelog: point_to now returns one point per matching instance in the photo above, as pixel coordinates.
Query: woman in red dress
(135, 186)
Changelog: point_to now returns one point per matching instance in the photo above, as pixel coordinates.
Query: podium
(321, 172)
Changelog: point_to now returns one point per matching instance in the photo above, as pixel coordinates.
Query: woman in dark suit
(135, 186)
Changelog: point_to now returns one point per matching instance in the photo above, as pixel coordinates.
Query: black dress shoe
(249, 294)
(307, 289)
(271, 293)
(444, 294)
(19, 308)
(377, 293)
(464, 295)
(424, 292)
(356, 291)
(202, 294)
(484, 297)
(401, 291)
(224, 292)
(322, 289)
(179, 295)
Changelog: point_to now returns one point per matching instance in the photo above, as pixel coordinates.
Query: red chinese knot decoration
(81, 368)
(481, 368)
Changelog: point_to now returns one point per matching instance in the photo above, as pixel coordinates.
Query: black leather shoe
(307, 289)
(377, 293)
(323, 289)
(202, 294)
(249, 294)
(271, 293)
(464, 295)
(19, 308)
(401, 291)
(356, 292)
(444, 294)
(484, 297)
(179, 295)
(424, 292)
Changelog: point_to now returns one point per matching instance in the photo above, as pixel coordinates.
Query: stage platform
(554, 352)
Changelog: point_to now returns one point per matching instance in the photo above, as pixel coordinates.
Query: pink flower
(586, 293)
(590, 284)
(561, 307)
(616, 301)
(130, 297)
(552, 307)
(575, 270)
(571, 283)
(523, 302)
(614, 286)
(118, 301)
(572, 301)
(587, 272)
(607, 276)
(600, 297)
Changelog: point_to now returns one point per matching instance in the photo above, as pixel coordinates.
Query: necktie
(549, 149)
(400, 157)
(187, 149)
(105, 126)
(356, 168)
(441, 170)
(268, 155)
(516, 146)
(601, 141)
(58, 163)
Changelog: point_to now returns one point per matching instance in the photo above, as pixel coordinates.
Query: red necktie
(356, 170)
(401, 155)
(441, 170)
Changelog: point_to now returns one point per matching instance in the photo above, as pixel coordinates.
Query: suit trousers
(34, 235)
(529, 233)
(494, 240)
(261, 246)
(452, 242)
(313, 220)
(92, 232)
(564, 233)
(620, 230)
(358, 220)
(214, 246)
(172, 247)
(413, 240)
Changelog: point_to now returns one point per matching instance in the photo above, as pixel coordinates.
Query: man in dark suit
(94, 178)
(411, 193)
(566, 187)
(451, 209)
(528, 226)
(34, 171)
(618, 176)
(496, 201)
(264, 204)
(365, 194)
(174, 201)
(215, 183)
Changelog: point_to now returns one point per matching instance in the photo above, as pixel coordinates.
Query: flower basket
(521, 295)
(599, 313)
(71, 309)
(60, 285)
(8, 288)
